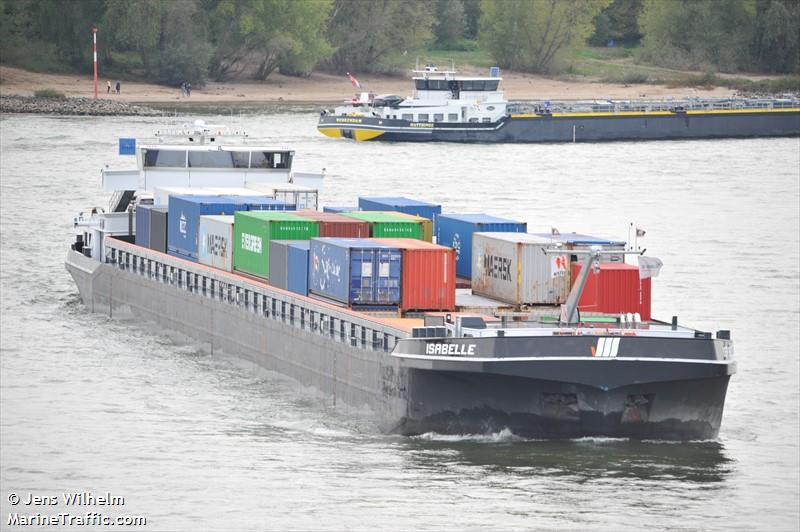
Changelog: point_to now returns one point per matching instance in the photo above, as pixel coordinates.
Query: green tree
(378, 35)
(449, 23)
(269, 34)
(170, 38)
(472, 17)
(618, 21)
(529, 35)
(776, 43)
(698, 33)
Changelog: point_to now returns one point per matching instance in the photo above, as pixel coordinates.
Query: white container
(215, 247)
(513, 267)
(235, 191)
(300, 196)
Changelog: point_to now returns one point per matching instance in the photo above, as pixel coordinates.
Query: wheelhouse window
(452, 117)
(210, 159)
(408, 117)
(423, 117)
(241, 159)
(165, 158)
(268, 159)
(438, 117)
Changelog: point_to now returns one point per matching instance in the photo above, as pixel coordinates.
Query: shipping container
(429, 274)
(184, 221)
(259, 203)
(159, 228)
(279, 262)
(576, 241)
(161, 194)
(512, 267)
(336, 225)
(388, 224)
(298, 267)
(455, 231)
(355, 271)
(216, 242)
(298, 195)
(616, 289)
(427, 224)
(253, 231)
(400, 204)
(339, 210)
(235, 191)
(143, 225)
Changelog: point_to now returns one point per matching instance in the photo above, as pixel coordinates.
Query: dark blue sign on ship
(127, 146)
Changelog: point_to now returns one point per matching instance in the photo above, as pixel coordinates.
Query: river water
(193, 441)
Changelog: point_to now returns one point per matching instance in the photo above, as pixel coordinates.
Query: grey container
(512, 267)
(215, 245)
(158, 229)
(279, 262)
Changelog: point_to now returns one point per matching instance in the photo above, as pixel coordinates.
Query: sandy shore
(324, 88)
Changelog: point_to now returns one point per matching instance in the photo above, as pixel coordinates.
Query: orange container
(429, 274)
(616, 289)
(336, 225)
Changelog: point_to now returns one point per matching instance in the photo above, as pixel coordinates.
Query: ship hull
(572, 128)
(540, 399)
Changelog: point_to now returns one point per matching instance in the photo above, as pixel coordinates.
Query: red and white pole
(94, 53)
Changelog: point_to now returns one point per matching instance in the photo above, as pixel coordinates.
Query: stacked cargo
(512, 267)
(615, 289)
(428, 274)
(401, 204)
(216, 242)
(259, 203)
(288, 265)
(253, 231)
(427, 224)
(151, 227)
(296, 195)
(184, 221)
(336, 225)
(388, 224)
(355, 271)
(456, 230)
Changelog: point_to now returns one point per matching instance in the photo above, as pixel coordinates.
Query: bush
(49, 93)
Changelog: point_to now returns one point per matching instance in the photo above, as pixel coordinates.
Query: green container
(252, 231)
(388, 224)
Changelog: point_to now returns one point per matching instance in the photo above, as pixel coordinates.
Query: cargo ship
(362, 307)
(449, 107)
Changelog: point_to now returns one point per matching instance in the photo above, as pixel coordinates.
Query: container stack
(355, 272)
(389, 224)
(616, 289)
(184, 221)
(513, 268)
(456, 230)
(288, 265)
(253, 230)
(216, 242)
(400, 204)
(335, 225)
(428, 279)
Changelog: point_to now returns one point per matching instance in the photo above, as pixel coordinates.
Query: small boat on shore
(449, 107)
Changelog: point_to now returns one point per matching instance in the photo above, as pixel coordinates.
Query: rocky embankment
(72, 106)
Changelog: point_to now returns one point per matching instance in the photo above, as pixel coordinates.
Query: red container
(331, 224)
(429, 274)
(614, 290)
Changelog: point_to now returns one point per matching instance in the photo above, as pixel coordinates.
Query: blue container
(297, 258)
(455, 231)
(143, 225)
(259, 203)
(400, 204)
(355, 271)
(184, 221)
(339, 209)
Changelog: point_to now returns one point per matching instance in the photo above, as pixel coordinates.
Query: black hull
(524, 129)
(531, 408)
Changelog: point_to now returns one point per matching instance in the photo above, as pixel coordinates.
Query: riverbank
(72, 106)
(326, 89)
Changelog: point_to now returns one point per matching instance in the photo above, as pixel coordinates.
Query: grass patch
(50, 93)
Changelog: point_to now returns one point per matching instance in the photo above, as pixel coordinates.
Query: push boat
(543, 372)
(449, 107)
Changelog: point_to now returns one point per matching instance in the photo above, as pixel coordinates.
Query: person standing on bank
(117, 87)
(108, 87)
